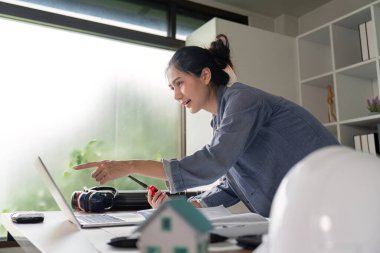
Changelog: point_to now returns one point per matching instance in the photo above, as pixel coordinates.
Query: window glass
(188, 21)
(181, 250)
(70, 98)
(152, 249)
(166, 224)
(138, 15)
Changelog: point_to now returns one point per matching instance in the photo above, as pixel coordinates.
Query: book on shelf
(357, 143)
(368, 143)
(367, 40)
(373, 143)
(364, 141)
(378, 134)
(363, 41)
(371, 40)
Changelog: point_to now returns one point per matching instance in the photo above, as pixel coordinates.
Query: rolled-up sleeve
(221, 194)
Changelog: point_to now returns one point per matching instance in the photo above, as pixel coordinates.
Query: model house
(176, 226)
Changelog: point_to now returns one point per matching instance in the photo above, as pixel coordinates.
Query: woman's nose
(177, 94)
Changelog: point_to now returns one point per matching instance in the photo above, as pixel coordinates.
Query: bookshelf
(332, 55)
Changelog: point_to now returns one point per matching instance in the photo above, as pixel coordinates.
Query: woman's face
(192, 92)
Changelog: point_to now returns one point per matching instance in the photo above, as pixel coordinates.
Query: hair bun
(220, 50)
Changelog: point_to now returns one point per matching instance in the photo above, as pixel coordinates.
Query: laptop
(84, 220)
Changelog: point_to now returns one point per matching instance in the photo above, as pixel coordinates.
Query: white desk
(57, 235)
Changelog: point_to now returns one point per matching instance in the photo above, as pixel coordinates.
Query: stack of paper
(233, 225)
(227, 224)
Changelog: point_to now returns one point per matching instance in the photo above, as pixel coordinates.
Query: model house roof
(184, 209)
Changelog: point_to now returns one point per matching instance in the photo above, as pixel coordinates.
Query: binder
(371, 40)
(363, 41)
(378, 135)
(364, 141)
(357, 142)
(373, 143)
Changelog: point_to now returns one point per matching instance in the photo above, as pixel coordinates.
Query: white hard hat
(328, 203)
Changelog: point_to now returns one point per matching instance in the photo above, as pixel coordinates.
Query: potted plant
(373, 105)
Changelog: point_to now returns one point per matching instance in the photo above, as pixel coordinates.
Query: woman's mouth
(186, 102)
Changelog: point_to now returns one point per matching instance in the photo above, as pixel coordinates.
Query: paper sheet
(227, 224)
(241, 218)
(233, 231)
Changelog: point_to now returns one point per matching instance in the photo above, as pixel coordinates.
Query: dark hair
(193, 59)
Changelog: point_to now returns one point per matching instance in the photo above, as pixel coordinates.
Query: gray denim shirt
(257, 138)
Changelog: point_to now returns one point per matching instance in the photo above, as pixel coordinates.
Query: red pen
(151, 188)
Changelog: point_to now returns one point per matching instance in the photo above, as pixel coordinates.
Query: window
(166, 224)
(161, 22)
(152, 249)
(188, 21)
(189, 16)
(65, 93)
(75, 86)
(143, 16)
(180, 250)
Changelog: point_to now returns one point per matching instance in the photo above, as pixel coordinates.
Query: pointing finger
(87, 165)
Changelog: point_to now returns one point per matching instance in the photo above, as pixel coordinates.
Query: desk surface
(58, 235)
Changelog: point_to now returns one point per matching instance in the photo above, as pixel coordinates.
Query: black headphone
(96, 199)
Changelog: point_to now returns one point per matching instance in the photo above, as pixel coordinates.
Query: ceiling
(274, 8)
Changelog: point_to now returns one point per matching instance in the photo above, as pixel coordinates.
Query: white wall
(263, 59)
(286, 24)
(328, 12)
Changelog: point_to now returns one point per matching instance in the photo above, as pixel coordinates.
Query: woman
(257, 137)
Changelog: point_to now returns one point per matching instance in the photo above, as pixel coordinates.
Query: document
(208, 212)
(233, 231)
(234, 225)
(228, 224)
(241, 218)
(215, 212)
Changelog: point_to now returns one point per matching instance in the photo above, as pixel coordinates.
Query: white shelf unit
(331, 55)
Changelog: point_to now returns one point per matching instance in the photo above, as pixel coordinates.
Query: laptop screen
(54, 190)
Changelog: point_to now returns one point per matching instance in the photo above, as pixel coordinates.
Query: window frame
(33, 15)
(28, 14)
(86, 26)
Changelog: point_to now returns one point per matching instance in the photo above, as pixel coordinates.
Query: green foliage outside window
(90, 100)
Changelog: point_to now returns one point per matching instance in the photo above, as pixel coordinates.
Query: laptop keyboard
(98, 218)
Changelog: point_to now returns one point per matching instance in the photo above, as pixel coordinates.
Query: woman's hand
(196, 204)
(106, 170)
(158, 199)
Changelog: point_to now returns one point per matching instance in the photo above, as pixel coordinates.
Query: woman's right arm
(108, 170)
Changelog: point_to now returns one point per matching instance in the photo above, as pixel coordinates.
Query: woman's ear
(206, 76)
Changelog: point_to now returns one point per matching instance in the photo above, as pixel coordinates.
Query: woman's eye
(179, 83)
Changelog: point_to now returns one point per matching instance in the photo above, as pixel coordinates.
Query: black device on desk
(27, 217)
(131, 242)
(249, 241)
(123, 242)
